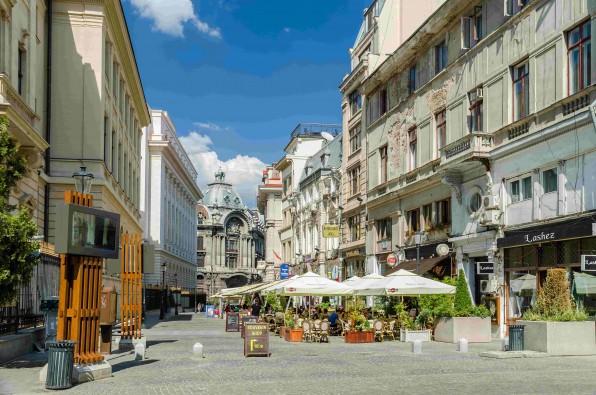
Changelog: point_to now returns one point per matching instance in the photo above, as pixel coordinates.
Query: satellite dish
(443, 249)
(327, 136)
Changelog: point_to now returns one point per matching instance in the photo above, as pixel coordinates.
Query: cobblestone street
(387, 367)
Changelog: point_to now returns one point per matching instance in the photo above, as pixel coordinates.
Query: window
(107, 60)
(383, 104)
(106, 141)
(475, 202)
(377, 106)
(427, 214)
(413, 219)
(383, 155)
(521, 91)
(384, 229)
(520, 189)
(578, 57)
(355, 101)
(512, 7)
(355, 142)
(475, 121)
(549, 180)
(412, 82)
(444, 211)
(412, 137)
(440, 57)
(471, 28)
(441, 123)
(354, 180)
(114, 166)
(21, 71)
(354, 226)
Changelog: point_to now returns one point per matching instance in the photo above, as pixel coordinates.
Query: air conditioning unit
(490, 202)
(490, 217)
(489, 286)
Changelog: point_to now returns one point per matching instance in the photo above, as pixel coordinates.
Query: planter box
(359, 337)
(406, 335)
(560, 338)
(293, 335)
(473, 329)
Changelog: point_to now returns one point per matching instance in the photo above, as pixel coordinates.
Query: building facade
(97, 108)
(168, 203)
(478, 179)
(269, 206)
(230, 240)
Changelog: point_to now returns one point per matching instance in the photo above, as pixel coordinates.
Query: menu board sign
(249, 319)
(256, 339)
(232, 324)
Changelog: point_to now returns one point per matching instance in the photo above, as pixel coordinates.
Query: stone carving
(436, 99)
(489, 183)
(398, 139)
(455, 185)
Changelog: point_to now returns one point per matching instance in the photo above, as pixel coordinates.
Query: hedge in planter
(554, 325)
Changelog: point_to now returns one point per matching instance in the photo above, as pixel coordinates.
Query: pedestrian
(256, 308)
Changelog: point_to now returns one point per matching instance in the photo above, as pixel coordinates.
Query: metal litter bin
(60, 364)
(516, 337)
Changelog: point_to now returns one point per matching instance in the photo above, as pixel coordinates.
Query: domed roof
(222, 194)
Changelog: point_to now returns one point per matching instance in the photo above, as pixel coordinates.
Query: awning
(425, 265)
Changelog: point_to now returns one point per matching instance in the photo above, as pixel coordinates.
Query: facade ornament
(489, 183)
(455, 185)
(562, 163)
(220, 175)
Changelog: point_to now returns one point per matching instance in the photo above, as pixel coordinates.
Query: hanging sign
(284, 271)
(485, 267)
(330, 231)
(232, 324)
(392, 260)
(588, 263)
(256, 340)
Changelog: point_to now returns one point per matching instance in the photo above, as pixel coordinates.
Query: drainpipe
(46, 214)
(593, 113)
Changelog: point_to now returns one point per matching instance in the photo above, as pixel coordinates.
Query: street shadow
(131, 364)
(154, 342)
(31, 360)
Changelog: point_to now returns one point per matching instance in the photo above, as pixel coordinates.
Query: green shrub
(273, 301)
(554, 301)
(463, 302)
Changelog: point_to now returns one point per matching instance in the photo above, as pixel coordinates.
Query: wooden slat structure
(131, 275)
(78, 305)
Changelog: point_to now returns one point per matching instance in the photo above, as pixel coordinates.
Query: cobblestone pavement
(387, 367)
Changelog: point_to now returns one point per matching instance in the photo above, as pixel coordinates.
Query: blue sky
(236, 76)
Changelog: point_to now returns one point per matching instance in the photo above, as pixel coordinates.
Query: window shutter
(466, 24)
(508, 7)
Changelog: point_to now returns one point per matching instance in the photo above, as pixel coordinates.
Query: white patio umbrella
(585, 284)
(352, 281)
(404, 283)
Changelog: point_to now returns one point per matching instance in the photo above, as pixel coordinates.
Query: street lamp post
(162, 309)
(418, 239)
(83, 180)
(176, 295)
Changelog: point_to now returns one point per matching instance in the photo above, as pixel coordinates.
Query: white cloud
(243, 171)
(169, 16)
(286, 29)
(209, 126)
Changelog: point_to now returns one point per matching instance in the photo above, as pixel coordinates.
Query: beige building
(480, 136)
(23, 48)
(98, 107)
(269, 206)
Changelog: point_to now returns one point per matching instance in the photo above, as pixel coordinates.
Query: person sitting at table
(333, 317)
(316, 314)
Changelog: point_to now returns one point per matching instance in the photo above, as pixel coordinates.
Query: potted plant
(409, 329)
(455, 317)
(291, 332)
(554, 324)
(360, 331)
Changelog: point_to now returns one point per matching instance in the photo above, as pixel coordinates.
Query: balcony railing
(471, 144)
(311, 129)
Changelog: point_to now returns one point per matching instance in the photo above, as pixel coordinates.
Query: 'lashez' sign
(485, 267)
(588, 263)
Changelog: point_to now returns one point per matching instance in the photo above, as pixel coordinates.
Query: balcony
(315, 129)
(469, 147)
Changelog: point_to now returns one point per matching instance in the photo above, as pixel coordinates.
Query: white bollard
(462, 345)
(197, 350)
(139, 352)
(505, 344)
(417, 347)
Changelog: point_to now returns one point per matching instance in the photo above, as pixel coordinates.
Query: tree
(17, 251)
(463, 301)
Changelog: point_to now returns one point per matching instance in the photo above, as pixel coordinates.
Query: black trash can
(60, 364)
(516, 337)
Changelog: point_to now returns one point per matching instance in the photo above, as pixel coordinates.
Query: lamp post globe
(83, 180)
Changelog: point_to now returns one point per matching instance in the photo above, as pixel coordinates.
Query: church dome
(222, 194)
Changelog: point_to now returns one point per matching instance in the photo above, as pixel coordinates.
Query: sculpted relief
(398, 140)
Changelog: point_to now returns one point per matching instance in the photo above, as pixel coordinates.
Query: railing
(470, 144)
(308, 129)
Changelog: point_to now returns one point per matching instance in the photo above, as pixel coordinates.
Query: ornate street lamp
(418, 239)
(83, 180)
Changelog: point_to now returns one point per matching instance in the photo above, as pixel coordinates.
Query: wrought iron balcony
(315, 129)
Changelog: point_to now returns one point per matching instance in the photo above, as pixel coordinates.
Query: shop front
(528, 254)
(354, 262)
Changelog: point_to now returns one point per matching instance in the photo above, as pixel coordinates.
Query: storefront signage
(547, 233)
(256, 340)
(210, 311)
(485, 267)
(284, 271)
(232, 324)
(588, 263)
(330, 231)
(249, 319)
(392, 260)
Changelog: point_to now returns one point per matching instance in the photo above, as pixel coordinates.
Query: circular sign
(392, 290)
(392, 259)
(291, 289)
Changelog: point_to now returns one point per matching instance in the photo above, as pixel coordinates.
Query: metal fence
(24, 311)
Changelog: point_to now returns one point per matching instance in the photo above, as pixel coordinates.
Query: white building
(169, 196)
